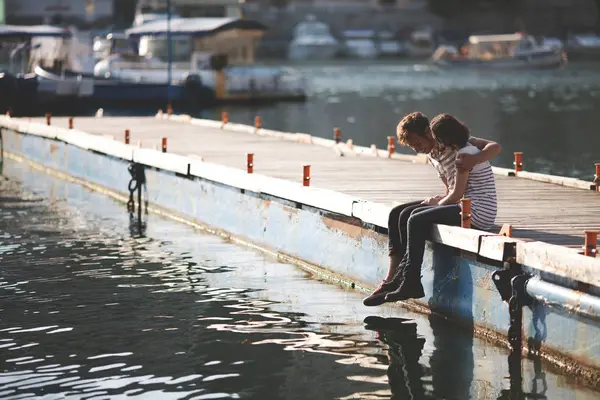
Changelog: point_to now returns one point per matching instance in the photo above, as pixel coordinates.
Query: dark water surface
(95, 305)
(552, 116)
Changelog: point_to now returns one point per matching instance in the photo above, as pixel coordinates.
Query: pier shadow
(538, 385)
(450, 373)
(452, 286)
(404, 348)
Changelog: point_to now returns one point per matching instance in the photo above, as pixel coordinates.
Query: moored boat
(312, 40)
(220, 52)
(43, 53)
(500, 51)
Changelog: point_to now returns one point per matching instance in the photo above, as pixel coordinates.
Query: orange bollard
(224, 118)
(465, 221)
(127, 136)
(257, 122)
(48, 119)
(506, 230)
(337, 134)
(597, 177)
(70, 122)
(306, 176)
(169, 110)
(391, 146)
(164, 145)
(250, 162)
(518, 163)
(591, 241)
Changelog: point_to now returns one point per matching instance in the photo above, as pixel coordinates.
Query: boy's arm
(460, 186)
(487, 151)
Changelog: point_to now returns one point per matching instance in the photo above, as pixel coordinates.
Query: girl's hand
(432, 200)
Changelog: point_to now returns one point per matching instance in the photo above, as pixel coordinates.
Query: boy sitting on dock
(462, 162)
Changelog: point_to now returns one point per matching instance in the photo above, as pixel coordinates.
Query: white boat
(312, 40)
(218, 53)
(500, 51)
(420, 44)
(360, 44)
(52, 54)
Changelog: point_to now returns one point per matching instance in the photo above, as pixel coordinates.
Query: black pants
(397, 226)
(410, 224)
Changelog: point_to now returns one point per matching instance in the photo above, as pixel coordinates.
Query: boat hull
(300, 52)
(553, 61)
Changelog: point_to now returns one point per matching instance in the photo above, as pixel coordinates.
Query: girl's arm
(435, 200)
(457, 192)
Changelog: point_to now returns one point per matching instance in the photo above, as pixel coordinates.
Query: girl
(477, 184)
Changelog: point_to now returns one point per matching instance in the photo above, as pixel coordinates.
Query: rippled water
(95, 304)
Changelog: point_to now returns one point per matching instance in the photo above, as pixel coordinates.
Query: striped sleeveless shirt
(481, 185)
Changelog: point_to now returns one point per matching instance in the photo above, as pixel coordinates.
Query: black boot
(410, 288)
(377, 297)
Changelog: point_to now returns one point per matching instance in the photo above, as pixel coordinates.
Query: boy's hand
(432, 200)
(465, 162)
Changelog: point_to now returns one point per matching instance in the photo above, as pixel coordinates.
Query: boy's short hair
(416, 123)
(449, 131)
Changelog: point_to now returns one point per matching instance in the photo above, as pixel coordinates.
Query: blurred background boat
(312, 40)
(500, 51)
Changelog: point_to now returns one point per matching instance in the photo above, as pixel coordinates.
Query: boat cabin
(498, 46)
(233, 37)
(24, 47)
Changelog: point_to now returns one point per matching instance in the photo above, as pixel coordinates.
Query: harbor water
(95, 303)
(549, 115)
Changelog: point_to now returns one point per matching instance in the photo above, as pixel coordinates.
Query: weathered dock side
(335, 221)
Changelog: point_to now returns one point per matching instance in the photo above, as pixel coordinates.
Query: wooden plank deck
(537, 211)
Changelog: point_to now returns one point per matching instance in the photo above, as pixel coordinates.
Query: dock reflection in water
(96, 304)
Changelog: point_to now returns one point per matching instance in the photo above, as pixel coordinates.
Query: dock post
(250, 162)
(506, 230)
(306, 176)
(169, 109)
(164, 145)
(391, 146)
(591, 241)
(48, 119)
(597, 177)
(337, 134)
(518, 163)
(465, 213)
(70, 122)
(127, 136)
(224, 119)
(257, 123)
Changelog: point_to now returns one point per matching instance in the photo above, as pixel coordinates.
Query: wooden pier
(539, 211)
(247, 184)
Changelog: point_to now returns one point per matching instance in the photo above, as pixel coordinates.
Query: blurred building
(195, 8)
(31, 12)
